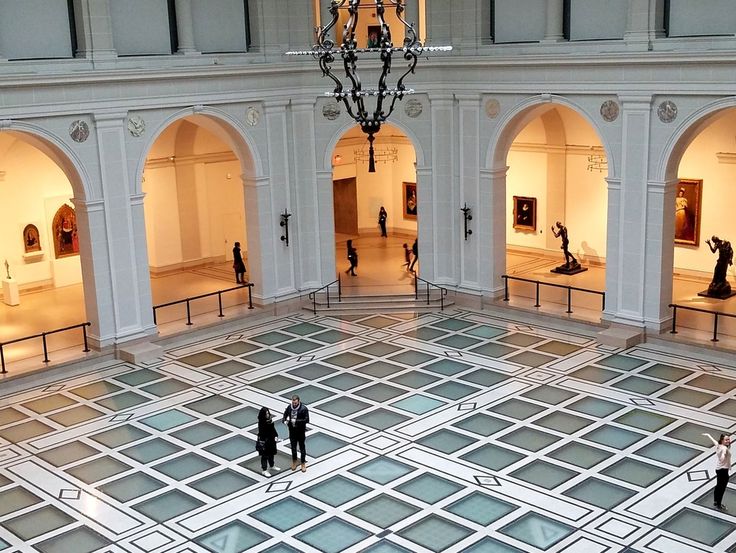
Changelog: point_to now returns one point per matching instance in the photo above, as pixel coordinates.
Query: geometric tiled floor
(453, 431)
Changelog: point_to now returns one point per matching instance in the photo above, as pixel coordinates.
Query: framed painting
(31, 239)
(687, 211)
(64, 228)
(525, 213)
(410, 200)
(374, 36)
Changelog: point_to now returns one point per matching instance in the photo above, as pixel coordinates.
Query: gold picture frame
(410, 200)
(525, 213)
(688, 198)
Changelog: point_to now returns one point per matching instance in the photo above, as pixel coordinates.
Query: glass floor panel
(580, 455)
(595, 407)
(380, 369)
(613, 437)
(621, 362)
(666, 372)
(38, 522)
(726, 407)
(414, 379)
(16, 499)
(425, 333)
(684, 396)
(229, 368)
(595, 374)
(232, 448)
(435, 533)
(79, 540)
(313, 371)
(517, 409)
(333, 535)
(429, 488)
(447, 367)
(237, 348)
(531, 359)
(412, 358)
(25, 431)
(167, 506)
(131, 487)
(490, 545)
(378, 349)
(481, 508)
(151, 451)
(380, 392)
(549, 394)
(10, 415)
(345, 382)
(418, 404)
(264, 357)
(640, 385)
(275, 384)
(485, 331)
(557, 348)
(122, 401)
(543, 474)
(346, 360)
(141, 376)
(236, 535)
(199, 359)
(492, 457)
(537, 530)
(67, 453)
(241, 418)
(211, 405)
(635, 472)
(95, 389)
(382, 470)
(300, 346)
(380, 419)
(692, 433)
(563, 422)
(309, 394)
(494, 350)
(181, 468)
(452, 324)
(385, 546)
(332, 336)
(458, 341)
(600, 493)
(452, 390)
(378, 322)
(49, 403)
(166, 387)
(668, 452)
(303, 329)
(484, 377)
(383, 511)
(222, 483)
(320, 444)
(529, 439)
(98, 469)
(700, 527)
(520, 339)
(167, 420)
(344, 406)
(270, 338)
(482, 424)
(644, 420)
(713, 383)
(336, 491)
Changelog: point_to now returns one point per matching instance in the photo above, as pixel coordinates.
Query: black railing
(715, 314)
(429, 285)
(326, 288)
(43, 335)
(569, 289)
(218, 293)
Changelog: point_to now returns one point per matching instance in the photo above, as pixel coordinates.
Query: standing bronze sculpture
(719, 286)
(571, 265)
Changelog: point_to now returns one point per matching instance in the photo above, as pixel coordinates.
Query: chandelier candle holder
(351, 92)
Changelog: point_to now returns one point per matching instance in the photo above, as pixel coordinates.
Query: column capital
(109, 118)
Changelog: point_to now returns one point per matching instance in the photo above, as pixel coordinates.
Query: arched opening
(556, 188)
(43, 288)
(358, 197)
(194, 214)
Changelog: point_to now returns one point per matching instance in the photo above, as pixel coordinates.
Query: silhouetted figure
(719, 286)
(238, 265)
(415, 251)
(353, 258)
(571, 265)
(382, 216)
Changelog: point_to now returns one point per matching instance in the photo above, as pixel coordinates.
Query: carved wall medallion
(667, 111)
(331, 111)
(136, 125)
(493, 108)
(413, 108)
(609, 110)
(79, 131)
(252, 116)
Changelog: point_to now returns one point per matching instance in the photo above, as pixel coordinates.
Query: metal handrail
(675, 307)
(443, 290)
(569, 289)
(313, 294)
(218, 293)
(43, 335)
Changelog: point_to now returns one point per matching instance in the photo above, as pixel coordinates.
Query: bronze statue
(571, 266)
(719, 286)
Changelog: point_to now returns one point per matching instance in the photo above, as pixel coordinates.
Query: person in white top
(723, 464)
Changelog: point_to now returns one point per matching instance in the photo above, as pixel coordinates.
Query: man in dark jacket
(296, 416)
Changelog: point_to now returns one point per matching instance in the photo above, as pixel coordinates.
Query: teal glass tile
(595, 407)
(281, 548)
(429, 488)
(38, 522)
(621, 362)
(666, 372)
(344, 406)
(556, 347)
(166, 387)
(380, 369)
(380, 392)
(237, 348)
(275, 384)
(635, 472)
(529, 439)
(67, 453)
(580, 455)
(378, 349)
(229, 368)
(98, 469)
(264, 357)
(344, 382)
(151, 450)
(10, 415)
(380, 419)
(543, 474)
(520, 339)
(25, 431)
(481, 508)
(425, 334)
(298, 347)
(687, 396)
(713, 383)
(184, 466)
(49, 403)
(484, 331)
(699, 527)
(531, 359)
(222, 483)
(418, 404)
(199, 433)
(447, 367)
(435, 533)
(95, 389)
(312, 371)
(232, 448)
(668, 452)
(693, 433)
(382, 470)
(452, 324)
(75, 415)
(458, 341)
(336, 491)
(233, 537)
(282, 460)
(131, 487)
(16, 499)
(595, 374)
(537, 530)
(494, 350)
(303, 329)
(599, 493)
(563, 422)
(333, 535)
(385, 546)
(378, 321)
(270, 338)
(446, 441)
(517, 409)
(332, 336)
(79, 540)
(167, 506)
(549, 394)
(4, 481)
(241, 418)
(482, 424)
(491, 545)
(138, 377)
(412, 358)
(320, 444)
(492, 457)
(211, 405)
(452, 390)
(414, 379)
(726, 407)
(611, 436)
(200, 359)
(122, 401)
(383, 510)
(286, 514)
(484, 377)
(309, 394)
(167, 420)
(644, 420)
(346, 360)
(638, 385)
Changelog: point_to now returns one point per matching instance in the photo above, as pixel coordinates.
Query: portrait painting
(410, 200)
(64, 227)
(31, 239)
(525, 213)
(687, 211)
(374, 36)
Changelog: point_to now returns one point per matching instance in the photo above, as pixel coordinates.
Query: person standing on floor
(415, 251)
(353, 258)
(723, 465)
(267, 438)
(238, 265)
(296, 416)
(382, 216)
(407, 255)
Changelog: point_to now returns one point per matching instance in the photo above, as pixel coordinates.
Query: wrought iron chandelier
(351, 93)
(597, 160)
(381, 154)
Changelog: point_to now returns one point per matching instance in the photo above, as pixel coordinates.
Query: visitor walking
(296, 416)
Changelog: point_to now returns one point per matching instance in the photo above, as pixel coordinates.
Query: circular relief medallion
(609, 110)
(493, 108)
(79, 131)
(667, 111)
(413, 108)
(252, 116)
(136, 125)
(331, 111)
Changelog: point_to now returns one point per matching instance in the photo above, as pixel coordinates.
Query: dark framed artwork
(374, 36)
(525, 213)
(687, 211)
(31, 239)
(64, 227)
(410, 200)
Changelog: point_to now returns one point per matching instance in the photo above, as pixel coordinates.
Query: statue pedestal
(569, 269)
(723, 296)
(11, 296)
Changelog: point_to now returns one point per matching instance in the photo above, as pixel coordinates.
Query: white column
(469, 251)
(185, 28)
(256, 196)
(554, 31)
(645, 22)
(94, 30)
(326, 224)
(492, 229)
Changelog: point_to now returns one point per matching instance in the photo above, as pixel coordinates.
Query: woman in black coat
(267, 433)
(353, 258)
(238, 265)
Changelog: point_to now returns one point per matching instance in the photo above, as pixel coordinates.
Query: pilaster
(469, 252)
(185, 28)
(492, 228)
(94, 30)
(554, 31)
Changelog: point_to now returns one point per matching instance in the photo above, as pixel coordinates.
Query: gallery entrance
(358, 197)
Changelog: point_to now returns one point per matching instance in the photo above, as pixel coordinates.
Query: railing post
(569, 299)
(442, 299)
(314, 303)
(219, 303)
(189, 315)
(154, 315)
(339, 289)
(416, 290)
(428, 293)
(2, 359)
(537, 304)
(674, 319)
(505, 287)
(715, 328)
(45, 349)
(84, 333)
(327, 291)
(603, 301)
(250, 296)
